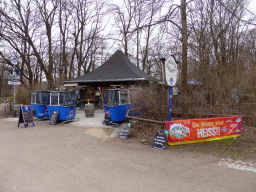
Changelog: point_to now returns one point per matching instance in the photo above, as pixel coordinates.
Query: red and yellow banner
(201, 130)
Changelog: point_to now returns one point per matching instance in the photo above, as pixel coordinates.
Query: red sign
(71, 111)
(200, 130)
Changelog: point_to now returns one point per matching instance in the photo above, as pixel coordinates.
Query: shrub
(153, 98)
(22, 97)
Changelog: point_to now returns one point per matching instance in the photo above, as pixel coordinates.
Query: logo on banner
(224, 129)
(179, 131)
(238, 120)
(26, 108)
(233, 125)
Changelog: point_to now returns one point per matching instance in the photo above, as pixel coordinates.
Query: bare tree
(86, 32)
(47, 10)
(16, 27)
(140, 12)
(125, 17)
(25, 28)
(64, 25)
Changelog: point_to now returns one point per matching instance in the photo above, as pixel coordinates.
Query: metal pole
(58, 98)
(170, 103)
(14, 91)
(14, 96)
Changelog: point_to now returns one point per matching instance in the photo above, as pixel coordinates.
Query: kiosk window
(106, 98)
(67, 98)
(124, 98)
(89, 93)
(110, 97)
(42, 98)
(54, 98)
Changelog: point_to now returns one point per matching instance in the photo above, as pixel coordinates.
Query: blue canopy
(194, 82)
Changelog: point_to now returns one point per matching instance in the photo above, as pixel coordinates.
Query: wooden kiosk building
(118, 70)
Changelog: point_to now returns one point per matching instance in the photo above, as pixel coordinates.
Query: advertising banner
(201, 130)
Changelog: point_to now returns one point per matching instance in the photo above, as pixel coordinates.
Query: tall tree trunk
(125, 44)
(137, 56)
(145, 57)
(80, 52)
(184, 84)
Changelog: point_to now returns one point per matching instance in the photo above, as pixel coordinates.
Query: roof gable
(117, 68)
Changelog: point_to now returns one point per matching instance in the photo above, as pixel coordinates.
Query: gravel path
(57, 158)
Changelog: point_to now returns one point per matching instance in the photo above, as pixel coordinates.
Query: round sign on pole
(14, 60)
(171, 71)
(171, 74)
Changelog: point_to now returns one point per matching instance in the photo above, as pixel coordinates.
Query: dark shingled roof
(117, 68)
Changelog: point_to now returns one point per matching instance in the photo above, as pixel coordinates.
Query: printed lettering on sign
(208, 132)
(160, 139)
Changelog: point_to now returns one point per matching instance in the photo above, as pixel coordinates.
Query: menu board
(160, 139)
(25, 115)
(124, 131)
(54, 117)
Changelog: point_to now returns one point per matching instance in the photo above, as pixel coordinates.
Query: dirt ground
(55, 158)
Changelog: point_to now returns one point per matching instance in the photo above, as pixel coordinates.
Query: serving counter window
(89, 93)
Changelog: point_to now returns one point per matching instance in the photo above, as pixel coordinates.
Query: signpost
(15, 78)
(14, 83)
(14, 60)
(171, 74)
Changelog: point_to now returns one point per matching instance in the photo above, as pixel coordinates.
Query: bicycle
(7, 109)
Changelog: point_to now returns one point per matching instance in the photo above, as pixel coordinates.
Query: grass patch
(231, 148)
(237, 148)
(226, 142)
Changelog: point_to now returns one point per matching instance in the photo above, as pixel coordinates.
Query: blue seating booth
(116, 103)
(39, 102)
(63, 102)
